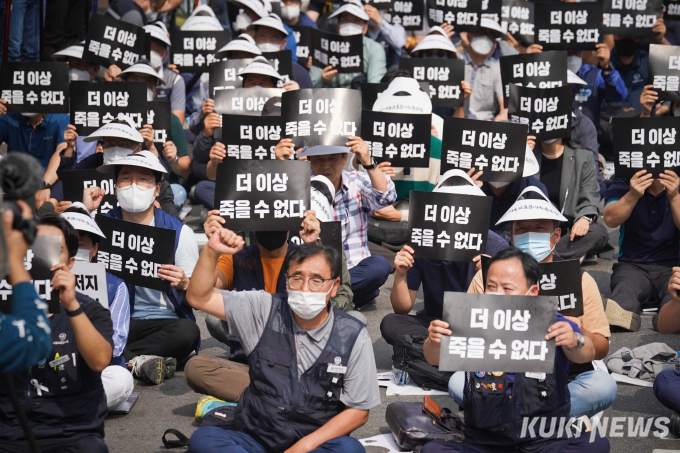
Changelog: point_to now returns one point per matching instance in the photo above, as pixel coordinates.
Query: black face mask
(439, 54)
(271, 240)
(626, 47)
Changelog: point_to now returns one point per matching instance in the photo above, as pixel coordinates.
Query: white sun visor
(255, 5)
(322, 150)
(244, 43)
(158, 33)
(531, 166)
(458, 182)
(355, 9)
(272, 21)
(532, 204)
(75, 51)
(403, 95)
(82, 222)
(118, 130)
(144, 159)
(435, 41)
(143, 68)
(260, 65)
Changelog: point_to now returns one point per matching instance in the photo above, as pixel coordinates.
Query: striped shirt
(119, 306)
(354, 203)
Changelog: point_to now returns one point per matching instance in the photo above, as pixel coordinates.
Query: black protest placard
(464, 15)
(400, 138)
(547, 112)
(344, 53)
(194, 51)
(407, 13)
(517, 18)
(631, 17)
(94, 104)
(224, 75)
(492, 9)
(446, 226)
(135, 252)
(497, 149)
(380, 4)
(371, 91)
(500, 333)
(37, 87)
(244, 101)
(324, 116)
(158, 116)
(41, 257)
(303, 39)
(283, 63)
(563, 279)
(114, 42)
(91, 281)
(671, 10)
(534, 70)
(664, 71)
(247, 137)
(76, 181)
(646, 144)
(568, 26)
(444, 77)
(267, 195)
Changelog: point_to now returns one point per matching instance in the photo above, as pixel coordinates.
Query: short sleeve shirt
(486, 87)
(247, 313)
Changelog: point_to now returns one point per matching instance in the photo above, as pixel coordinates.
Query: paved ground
(172, 404)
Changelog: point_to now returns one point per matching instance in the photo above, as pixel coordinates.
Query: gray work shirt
(487, 87)
(247, 313)
(174, 83)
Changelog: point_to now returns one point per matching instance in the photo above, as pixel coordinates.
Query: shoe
(617, 316)
(149, 368)
(674, 425)
(169, 367)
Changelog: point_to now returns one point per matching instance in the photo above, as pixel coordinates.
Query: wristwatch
(45, 185)
(608, 68)
(371, 166)
(75, 312)
(175, 160)
(580, 341)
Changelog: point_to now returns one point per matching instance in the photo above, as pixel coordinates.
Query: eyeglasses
(123, 144)
(315, 284)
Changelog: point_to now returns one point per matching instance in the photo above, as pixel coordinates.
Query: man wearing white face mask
(352, 20)
(117, 380)
(329, 351)
(535, 230)
(162, 325)
(292, 15)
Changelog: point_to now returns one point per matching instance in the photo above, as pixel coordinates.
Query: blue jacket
(609, 88)
(634, 76)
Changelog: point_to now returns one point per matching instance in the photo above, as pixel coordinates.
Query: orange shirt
(270, 267)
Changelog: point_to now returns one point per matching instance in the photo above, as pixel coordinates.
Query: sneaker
(617, 316)
(674, 425)
(149, 368)
(169, 367)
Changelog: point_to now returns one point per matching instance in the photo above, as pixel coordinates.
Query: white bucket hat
(532, 204)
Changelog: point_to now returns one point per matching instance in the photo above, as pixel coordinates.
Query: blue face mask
(535, 244)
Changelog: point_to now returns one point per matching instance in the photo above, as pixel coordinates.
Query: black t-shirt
(551, 177)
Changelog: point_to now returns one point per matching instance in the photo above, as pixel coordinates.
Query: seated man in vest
(667, 382)
(491, 427)
(63, 396)
(117, 380)
(535, 230)
(357, 196)
(436, 276)
(646, 210)
(163, 327)
(321, 379)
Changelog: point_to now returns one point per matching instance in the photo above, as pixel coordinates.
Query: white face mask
(78, 75)
(134, 198)
(482, 45)
(156, 60)
(574, 63)
(350, 29)
(290, 12)
(83, 255)
(149, 95)
(150, 15)
(115, 153)
(498, 185)
(269, 47)
(242, 22)
(549, 142)
(307, 304)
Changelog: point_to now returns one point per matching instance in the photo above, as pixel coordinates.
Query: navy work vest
(494, 418)
(282, 407)
(119, 8)
(59, 402)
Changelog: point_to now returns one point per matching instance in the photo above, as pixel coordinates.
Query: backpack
(408, 357)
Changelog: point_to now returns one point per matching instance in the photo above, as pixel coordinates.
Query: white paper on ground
(408, 389)
(385, 375)
(382, 441)
(629, 380)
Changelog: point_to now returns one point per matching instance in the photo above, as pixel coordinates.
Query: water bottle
(677, 361)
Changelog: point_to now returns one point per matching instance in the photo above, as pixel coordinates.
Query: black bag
(408, 357)
(414, 424)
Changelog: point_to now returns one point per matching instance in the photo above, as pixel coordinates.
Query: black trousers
(64, 25)
(163, 337)
(91, 443)
(594, 240)
(394, 325)
(633, 284)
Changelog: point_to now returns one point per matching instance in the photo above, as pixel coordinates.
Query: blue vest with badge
(162, 220)
(62, 396)
(279, 407)
(586, 97)
(119, 8)
(494, 414)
